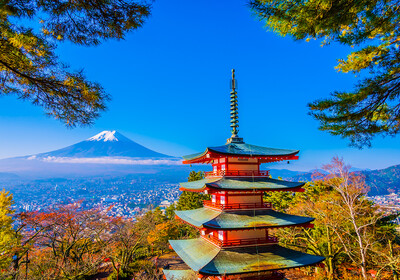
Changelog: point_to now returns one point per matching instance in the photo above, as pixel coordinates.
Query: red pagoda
(235, 240)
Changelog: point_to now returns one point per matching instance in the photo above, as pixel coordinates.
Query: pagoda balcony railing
(242, 242)
(235, 206)
(237, 173)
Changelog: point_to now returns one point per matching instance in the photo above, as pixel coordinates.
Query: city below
(126, 196)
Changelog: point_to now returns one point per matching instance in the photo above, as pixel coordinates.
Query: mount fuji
(104, 144)
(107, 153)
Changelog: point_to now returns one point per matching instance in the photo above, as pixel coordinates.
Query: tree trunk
(360, 241)
(363, 259)
(330, 255)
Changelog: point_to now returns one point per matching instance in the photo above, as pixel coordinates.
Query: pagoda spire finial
(234, 112)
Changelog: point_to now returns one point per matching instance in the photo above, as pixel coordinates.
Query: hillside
(380, 181)
(383, 181)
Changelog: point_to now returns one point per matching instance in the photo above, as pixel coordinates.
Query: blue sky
(169, 83)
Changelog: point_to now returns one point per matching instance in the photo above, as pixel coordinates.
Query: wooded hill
(380, 181)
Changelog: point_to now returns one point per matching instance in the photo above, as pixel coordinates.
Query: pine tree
(372, 28)
(192, 200)
(29, 67)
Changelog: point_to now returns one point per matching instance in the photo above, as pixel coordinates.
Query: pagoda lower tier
(235, 231)
(208, 260)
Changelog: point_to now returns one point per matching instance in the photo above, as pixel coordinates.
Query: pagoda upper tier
(239, 152)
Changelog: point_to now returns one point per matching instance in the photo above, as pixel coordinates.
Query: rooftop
(204, 257)
(244, 150)
(241, 183)
(242, 219)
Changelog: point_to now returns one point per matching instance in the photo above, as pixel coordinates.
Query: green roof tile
(198, 217)
(191, 156)
(241, 183)
(240, 219)
(243, 149)
(198, 255)
(199, 185)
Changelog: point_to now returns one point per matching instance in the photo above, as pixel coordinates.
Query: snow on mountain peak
(105, 136)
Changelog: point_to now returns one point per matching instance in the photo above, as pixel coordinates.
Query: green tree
(170, 212)
(371, 26)
(8, 238)
(29, 67)
(192, 200)
(195, 176)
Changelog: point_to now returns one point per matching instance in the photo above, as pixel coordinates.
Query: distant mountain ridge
(383, 181)
(104, 144)
(106, 153)
(111, 153)
(380, 181)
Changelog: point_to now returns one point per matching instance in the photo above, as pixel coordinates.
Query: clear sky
(169, 83)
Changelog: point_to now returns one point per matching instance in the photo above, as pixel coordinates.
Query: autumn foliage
(358, 240)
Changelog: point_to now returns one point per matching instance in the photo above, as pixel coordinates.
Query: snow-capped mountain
(107, 154)
(108, 136)
(104, 144)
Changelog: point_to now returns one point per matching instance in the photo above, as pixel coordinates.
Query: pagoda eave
(211, 189)
(232, 184)
(241, 150)
(303, 225)
(182, 189)
(241, 219)
(296, 189)
(208, 157)
(208, 259)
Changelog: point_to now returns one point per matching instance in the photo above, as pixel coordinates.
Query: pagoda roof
(206, 258)
(240, 219)
(242, 149)
(180, 274)
(240, 183)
